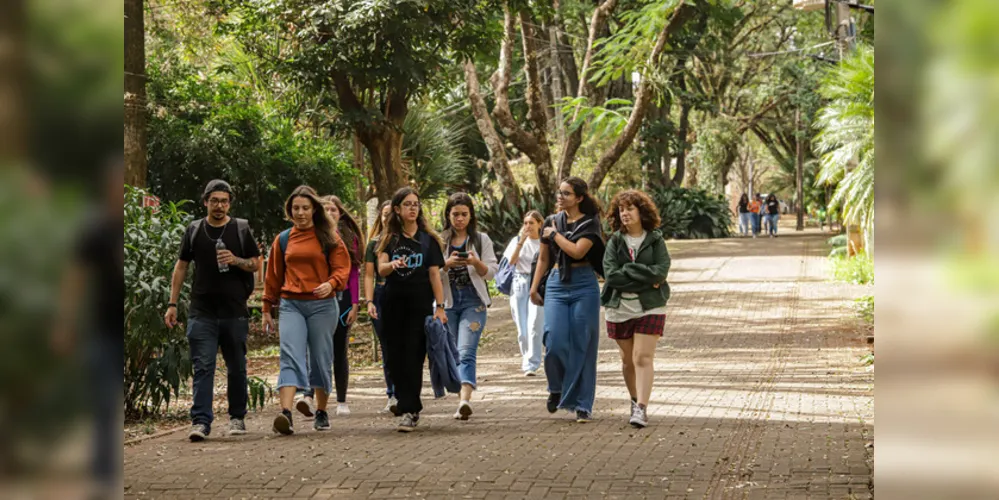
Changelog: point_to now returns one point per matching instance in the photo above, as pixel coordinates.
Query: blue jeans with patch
(306, 328)
(572, 337)
(206, 336)
(465, 321)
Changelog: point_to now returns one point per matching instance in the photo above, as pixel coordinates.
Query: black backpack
(243, 233)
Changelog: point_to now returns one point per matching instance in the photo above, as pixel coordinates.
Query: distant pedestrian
(527, 316)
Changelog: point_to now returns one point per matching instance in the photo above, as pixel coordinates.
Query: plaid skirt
(652, 324)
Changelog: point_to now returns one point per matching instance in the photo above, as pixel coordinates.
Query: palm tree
(845, 142)
(431, 149)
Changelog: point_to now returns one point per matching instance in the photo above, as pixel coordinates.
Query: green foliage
(260, 392)
(715, 151)
(603, 121)
(692, 213)
(858, 269)
(156, 357)
(839, 245)
(865, 308)
(208, 127)
(847, 137)
(433, 146)
(502, 223)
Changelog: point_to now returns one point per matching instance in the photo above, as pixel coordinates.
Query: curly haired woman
(635, 292)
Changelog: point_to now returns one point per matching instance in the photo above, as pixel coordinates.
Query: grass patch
(858, 269)
(865, 308)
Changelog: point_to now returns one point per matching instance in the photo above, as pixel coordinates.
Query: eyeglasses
(410, 204)
(564, 194)
(218, 202)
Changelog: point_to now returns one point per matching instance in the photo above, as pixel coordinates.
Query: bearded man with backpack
(225, 259)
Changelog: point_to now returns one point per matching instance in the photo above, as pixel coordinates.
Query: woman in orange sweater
(302, 279)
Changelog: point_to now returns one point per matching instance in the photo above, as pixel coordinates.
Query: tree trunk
(642, 98)
(575, 139)
(534, 141)
(799, 176)
(558, 91)
(135, 94)
(566, 55)
(498, 160)
(384, 146)
(681, 154)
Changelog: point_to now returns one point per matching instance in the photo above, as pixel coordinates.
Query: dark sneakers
(283, 424)
(322, 421)
(583, 417)
(553, 400)
(198, 433)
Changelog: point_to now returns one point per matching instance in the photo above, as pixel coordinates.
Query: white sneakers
(342, 410)
(464, 411)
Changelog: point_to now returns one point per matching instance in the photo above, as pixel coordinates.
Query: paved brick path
(759, 394)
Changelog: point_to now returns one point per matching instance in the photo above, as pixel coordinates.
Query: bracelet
(171, 304)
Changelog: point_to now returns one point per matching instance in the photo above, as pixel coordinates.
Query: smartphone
(462, 255)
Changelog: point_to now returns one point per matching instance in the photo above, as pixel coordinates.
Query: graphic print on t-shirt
(413, 260)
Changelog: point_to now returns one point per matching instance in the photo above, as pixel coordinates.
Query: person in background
(772, 209)
(303, 279)
(350, 233)
(635, 293)
(225, 257)
(745, 216)
(755, 206)
(572, 248)
(410, 259)
(470, 263)
(374, 290)
(528, 317)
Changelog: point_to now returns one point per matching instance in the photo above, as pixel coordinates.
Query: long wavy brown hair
(325, 233)
(646, 209)
(350, 231)
(378, 227)
(394, 228)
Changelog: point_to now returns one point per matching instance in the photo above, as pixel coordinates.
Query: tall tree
(135, 94)
(368, 59)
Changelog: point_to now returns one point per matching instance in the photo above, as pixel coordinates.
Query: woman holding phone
(528, 317)
(466, 294)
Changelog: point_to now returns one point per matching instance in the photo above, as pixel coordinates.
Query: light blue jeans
(745, 223)
(307, 343)
(530, 321)
(465, 321)
(572, 337)
(772, 222)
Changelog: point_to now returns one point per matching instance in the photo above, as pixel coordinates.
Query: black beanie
(216, 185)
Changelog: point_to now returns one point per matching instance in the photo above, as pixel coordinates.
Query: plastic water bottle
(219, 246)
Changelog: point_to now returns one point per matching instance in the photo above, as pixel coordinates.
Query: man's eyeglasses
(217, 202)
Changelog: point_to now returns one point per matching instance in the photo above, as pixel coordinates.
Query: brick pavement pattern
(759, 394)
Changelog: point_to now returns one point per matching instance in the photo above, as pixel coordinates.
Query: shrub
(156, 357)
(858, 269)
(692, 213)
(502, 223)
(865, 308)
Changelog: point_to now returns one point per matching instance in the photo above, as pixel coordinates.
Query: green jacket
(649, 269)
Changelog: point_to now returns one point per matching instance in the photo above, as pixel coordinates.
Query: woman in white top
(529, 318)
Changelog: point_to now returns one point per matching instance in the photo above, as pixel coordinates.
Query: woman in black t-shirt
(745, 215)
(772, 213)
(410, 258)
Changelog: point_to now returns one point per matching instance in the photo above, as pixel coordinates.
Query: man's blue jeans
(465, 321)
(206, 336)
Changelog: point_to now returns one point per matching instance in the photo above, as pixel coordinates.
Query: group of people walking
(412, 273)
(756, 213)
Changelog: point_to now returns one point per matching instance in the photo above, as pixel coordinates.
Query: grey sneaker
(237, 427)
(305, 406)
(408, 423)
(283, 424)
(198, 433)
(322, 421)
(639, 417)
(393, 407)
(634, 404)
(583, 417)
